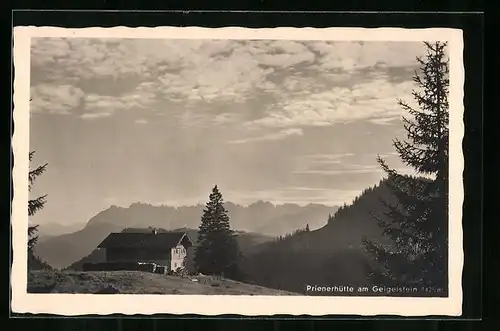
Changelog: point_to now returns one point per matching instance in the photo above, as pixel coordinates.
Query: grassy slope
(135, 282)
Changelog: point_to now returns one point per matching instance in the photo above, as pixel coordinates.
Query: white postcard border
(81, 304)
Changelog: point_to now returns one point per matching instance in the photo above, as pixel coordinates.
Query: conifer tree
(217, 250)
(34, 205)
(417, 224)
(331, 218)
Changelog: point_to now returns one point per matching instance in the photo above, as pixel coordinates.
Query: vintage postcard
(293, 171)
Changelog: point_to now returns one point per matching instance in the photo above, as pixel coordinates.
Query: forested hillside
(331, 255)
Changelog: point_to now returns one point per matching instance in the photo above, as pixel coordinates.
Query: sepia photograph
(272, 171)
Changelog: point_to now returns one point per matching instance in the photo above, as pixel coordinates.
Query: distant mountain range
(261, 218)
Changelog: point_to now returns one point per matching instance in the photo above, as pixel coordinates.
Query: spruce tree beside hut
(217, 251)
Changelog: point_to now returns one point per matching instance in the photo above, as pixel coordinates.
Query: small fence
(212, 280)
(160, 269)
(124, 266)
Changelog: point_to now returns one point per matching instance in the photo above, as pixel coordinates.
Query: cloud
(385, 121)
(141, 121)
(90, 57)
(334, 164)
(55, 99)
(185, 71)
(304, 83)
(284, 53)
(221, 80)
(97, 103)
(349, 56)
(239, 74)
(390, 155)
(335, 168)
(139, 98)
(93, 116)
(46, 51)
(312, 159)
(334, 156)
(272, 136)
(369, 100)
(353, 169)
(193, 69)
(338, 172)
(225, 118)
(297, 84)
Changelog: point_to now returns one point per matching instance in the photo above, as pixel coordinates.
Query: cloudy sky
(162, 121)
